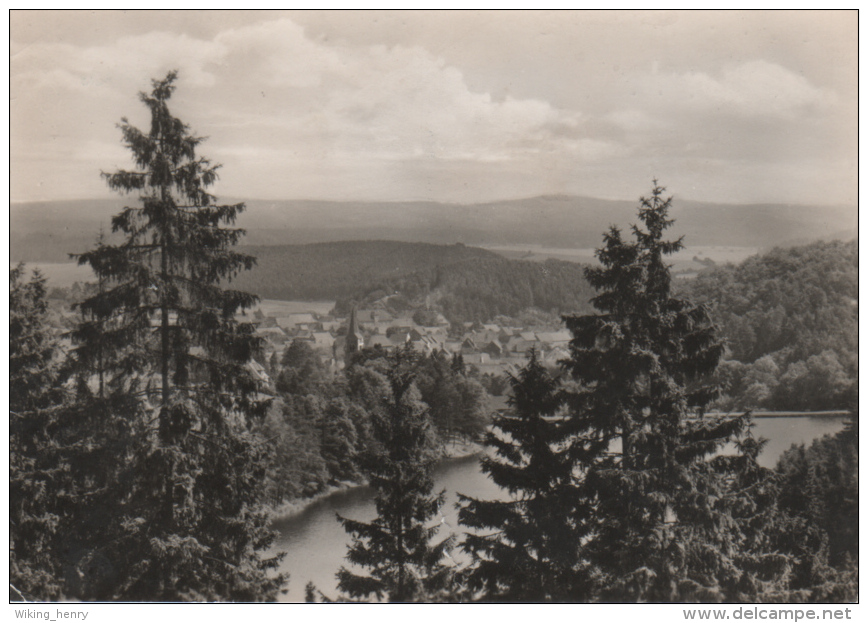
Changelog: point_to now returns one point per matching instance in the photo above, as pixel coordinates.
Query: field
(686, 262)
(282, 309)
(58, 275)
(63, 275)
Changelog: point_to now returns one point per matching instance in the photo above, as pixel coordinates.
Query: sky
(736, 107)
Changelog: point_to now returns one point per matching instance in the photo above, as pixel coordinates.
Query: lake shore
(291, 508)
(777, 414)
(463, 450)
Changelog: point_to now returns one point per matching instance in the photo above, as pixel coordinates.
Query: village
(492, 349)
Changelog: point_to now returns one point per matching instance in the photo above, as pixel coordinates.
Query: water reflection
(316, 543)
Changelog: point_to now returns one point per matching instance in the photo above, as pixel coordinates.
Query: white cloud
(99, 70)
(279, 102)
(756, 88)
(387, 102)
(368, 101)
(278, 54)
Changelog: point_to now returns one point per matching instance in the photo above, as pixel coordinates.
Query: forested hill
(330, 270)
(465, 283)
(790, 318)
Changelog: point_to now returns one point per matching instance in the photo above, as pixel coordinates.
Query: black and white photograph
(434, 307)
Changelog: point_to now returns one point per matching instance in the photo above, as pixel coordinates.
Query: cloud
(384, 101)
(371, 101)
(277, 54)
(280, 102)
(99, 70)
(755, 88)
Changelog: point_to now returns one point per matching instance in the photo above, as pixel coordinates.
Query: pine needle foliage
(161, 353)
(36, 402)
(640, 363)
(396, 547)
(527, 547)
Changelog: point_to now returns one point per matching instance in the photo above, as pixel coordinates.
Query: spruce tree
(760, 568)
(660, 532)
(160, 352)
(818, 515)
(527, 547)
(36, 468)
(396, 547)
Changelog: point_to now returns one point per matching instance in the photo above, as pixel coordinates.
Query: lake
(315, 542)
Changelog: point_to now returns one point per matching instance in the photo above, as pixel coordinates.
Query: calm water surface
(315, 543)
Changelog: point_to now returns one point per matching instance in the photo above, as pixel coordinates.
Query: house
(494, 349)
(425, 345)
(438, 333)
(469, 346)
(484, 337)
(518, 344)
(476, 358)
(404, 334)
(555, 339)
(273, 335)
(380, 341)
(323, 340)
(379, 328)
(452, 346)
(402, 321)
(293, 320)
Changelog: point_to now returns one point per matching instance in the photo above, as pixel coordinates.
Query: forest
(789, 316)
(790, 319)
(464, 283)
(324, 422)
(147, 456)
(330, 270)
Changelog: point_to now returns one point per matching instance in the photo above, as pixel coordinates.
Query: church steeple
(354, 342)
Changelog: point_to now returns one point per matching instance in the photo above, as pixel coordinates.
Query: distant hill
(49, 231)
(465, 283)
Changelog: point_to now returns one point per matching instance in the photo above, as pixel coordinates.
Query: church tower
(354, 342)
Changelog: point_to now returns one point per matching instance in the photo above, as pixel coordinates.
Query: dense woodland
(790, 319)
(464, 283)
(327, 271)
(789, 316)
(324, 424)
(145, 455)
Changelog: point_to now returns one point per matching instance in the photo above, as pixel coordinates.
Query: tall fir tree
(760, 568)
(160, 351)
(527, 547)
(396, 547)
(640, 364)
(36, 468)
(818, 515)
